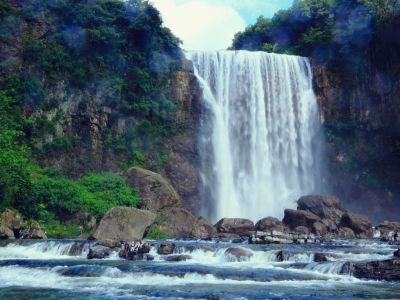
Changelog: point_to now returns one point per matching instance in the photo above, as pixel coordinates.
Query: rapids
(59, 270)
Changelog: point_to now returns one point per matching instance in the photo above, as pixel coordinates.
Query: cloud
(201, 24)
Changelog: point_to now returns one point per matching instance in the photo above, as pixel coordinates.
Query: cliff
(360, 112)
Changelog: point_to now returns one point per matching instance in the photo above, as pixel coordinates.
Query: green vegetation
(155, 232)
(110, 54)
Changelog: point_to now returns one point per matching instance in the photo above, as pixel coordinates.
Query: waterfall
(260, 141)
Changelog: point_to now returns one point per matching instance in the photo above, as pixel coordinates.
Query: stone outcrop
(177, 222)
(166, 248)
(295, 218)
(154, 191)
(235, 225)
(202, 229)
(238, 254)
(124, 223)
(99, 252)
(269, 224)
(10, 224)
(374, 270)
(324, 206)
(35, 231)
(360, 224)
(387, 230)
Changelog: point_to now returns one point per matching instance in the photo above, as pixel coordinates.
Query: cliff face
(360, 111)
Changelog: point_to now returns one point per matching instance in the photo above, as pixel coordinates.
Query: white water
(260, 139)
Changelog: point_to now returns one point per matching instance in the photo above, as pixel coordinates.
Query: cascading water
(261, 135)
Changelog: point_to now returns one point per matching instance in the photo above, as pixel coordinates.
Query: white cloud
(201, 24)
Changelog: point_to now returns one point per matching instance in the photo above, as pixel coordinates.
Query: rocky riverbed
(193, 269)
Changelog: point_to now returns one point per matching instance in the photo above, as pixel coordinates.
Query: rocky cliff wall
(360, 110)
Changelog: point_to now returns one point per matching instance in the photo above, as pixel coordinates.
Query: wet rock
(178, 222)
(396, 253)
(154, 190)
(319, 229)
(320, 257)
(295, 218)
(360, 224)
(344, 232)
(124, 223)
(235, 225)
(387, 230)
(376, 270)
(177, 257)
(166, 248)
(76, 248)
(135, 250)
(269, 224)
(323, 206)
(238, 254)
(10, 224)
(99, 252)
(202, 229)
(282, 256)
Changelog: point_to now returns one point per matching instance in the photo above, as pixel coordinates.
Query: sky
(211, 24)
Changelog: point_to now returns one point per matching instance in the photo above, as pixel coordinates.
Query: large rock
(238, 254)
(177, 222)
(202, 229)
(360, 224)
(10, 224)
(324, 206)
(374, 270)
(166, 248)
(319, 229)
(155, 191)
(235, 225)
(270, 224)
(99, 252)
(124, 223)
(135, 250)
(295, 218)
(387, 229)
(35, 231)
(6, 233)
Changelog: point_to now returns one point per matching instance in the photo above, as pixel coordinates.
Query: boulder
(270, 224)
(6, 233)
(99, 252)
(202, 229)
(282, 256)
(375, 270)
(180, 257)
(387, 230)
(178, 222)
(360, 224)
(294, 218)
(320, 257)
(324, 206)
(235, 225)
(35, 231)
(124, 223)
(344, 232)
(166, 248)
(154, 190)
(319, 229)
(238, 254)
